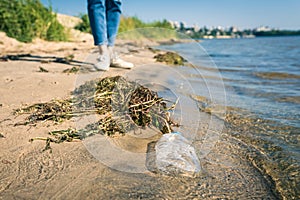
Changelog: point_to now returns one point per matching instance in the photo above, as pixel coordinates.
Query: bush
(161, 24)
(130, 23)
(27, 19)
(126, 24)
(54, 32)
(84, 26)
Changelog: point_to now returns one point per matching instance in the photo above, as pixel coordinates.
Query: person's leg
(113, 14)
(97, 17)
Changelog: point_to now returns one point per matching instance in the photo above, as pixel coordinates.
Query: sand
(70, 171)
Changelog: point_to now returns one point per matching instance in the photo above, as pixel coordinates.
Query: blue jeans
(104, 18)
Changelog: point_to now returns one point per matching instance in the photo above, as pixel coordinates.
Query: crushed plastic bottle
(175, 155)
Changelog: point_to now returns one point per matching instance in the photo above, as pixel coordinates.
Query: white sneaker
(118, 62)
(103, 63)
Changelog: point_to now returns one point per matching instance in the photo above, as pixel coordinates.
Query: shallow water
(256, 82)
(262, 73)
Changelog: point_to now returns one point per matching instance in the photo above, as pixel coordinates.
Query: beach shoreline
(70, 171)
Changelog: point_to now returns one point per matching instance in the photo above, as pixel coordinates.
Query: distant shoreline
(227, 34)
(251, 37)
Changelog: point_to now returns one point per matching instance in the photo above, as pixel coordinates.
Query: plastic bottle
(175, 155)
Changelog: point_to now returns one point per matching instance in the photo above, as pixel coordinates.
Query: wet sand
(71, 172)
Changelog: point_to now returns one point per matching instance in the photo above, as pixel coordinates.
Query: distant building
(182, 26)
(175, 24)
(263, 29)
(216, 31)
(196, 28)
(233, 29)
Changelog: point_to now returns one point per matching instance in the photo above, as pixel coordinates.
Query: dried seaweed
(124, 105)
(153, 50)
(71, 70)
(41, 69)
(55, 110)
(170, 58)
(60, 136)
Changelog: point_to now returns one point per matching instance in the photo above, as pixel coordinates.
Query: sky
(283, 14)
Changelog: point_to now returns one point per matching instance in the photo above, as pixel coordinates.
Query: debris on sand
(170, 58)
(122, 106)
(41, 69)
(153, 50)
(71, 70)
(55, 110)
(60, 136)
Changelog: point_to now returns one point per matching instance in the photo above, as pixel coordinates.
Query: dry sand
(70, 171)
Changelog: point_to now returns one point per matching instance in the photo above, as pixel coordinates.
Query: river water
(258, 79)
